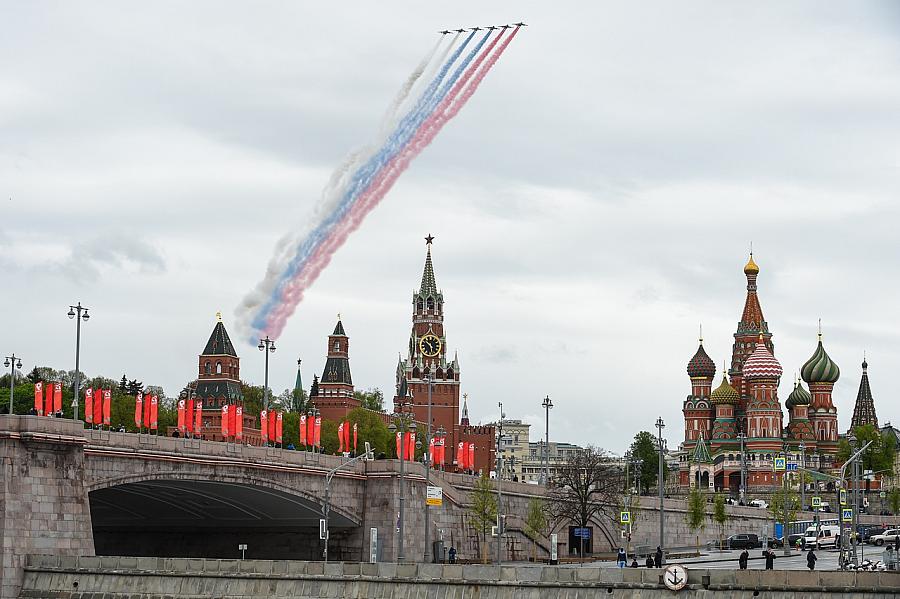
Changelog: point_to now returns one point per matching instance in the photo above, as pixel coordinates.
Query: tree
(696, 513)
(253, 398)
(123, 385)
(535, 523)
(588, 484)
(371, 428)
(878, 457)
(371, 399)
(135, 386)
(894, 500)
(294, 400)
(785, 504)
(720, 515)
(645, 448)
(483, 511)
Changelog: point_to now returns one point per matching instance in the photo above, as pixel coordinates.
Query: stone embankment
(162, 578)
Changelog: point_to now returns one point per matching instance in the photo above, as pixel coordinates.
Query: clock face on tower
(430, 345)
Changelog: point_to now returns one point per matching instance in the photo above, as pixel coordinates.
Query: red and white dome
(761, 364)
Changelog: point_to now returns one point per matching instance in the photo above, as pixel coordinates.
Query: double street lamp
(79, 313)
(402, 422)
(268, 346)
(661, 484)
(429, 380)
(547, 404)
(12, 362)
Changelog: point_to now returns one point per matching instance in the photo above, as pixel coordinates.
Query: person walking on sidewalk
(742, 560)
(811, 560)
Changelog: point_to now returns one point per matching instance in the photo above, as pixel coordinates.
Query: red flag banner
(38, 398)
(107, 406)
(431, 451)
(138, 408)
(148, 399)
(460, 462)
(198, 417)
(238, 423)
(224, 424)
(88, 405)
(189, 415)
(98, 406)
(346, 435)
(181, 412)
(48, 400)
(471, 460)
(318, 431)
(154, 413)
(354, 436)
(341, 437)
(278, 427)
(57, 397)
(302, 429)
(264, 425)
(273, 425)
(399, 445)
(311, 430)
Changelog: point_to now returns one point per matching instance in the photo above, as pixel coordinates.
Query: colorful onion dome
(725, 393)
(761, 364)
(701, 365)
(751, 268)
(820, 368)
(798, 397)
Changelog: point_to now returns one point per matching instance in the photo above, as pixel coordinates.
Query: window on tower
(207, 368)
(218, 368)
(337, 346)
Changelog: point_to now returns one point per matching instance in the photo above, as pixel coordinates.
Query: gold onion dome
(820, 368)
(725, 393)
(798, 397)
(701, 365)
(751, 268)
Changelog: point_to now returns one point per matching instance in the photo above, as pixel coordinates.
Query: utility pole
(81, 313)
(547, 404)
(427, 454)
(661, 484)
(742, 436)
(500, 485)
(802, 471)
(12, 362)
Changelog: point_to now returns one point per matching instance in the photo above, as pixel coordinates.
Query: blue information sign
(582, 532)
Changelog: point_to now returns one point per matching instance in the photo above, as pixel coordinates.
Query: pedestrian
(649, 560)
(659, 556)
(742, 559)
(811, 560)
(634, 563)
(621, 558)
(770, 559)
(452, 554)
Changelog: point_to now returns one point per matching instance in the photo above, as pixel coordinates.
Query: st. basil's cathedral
(743, 413)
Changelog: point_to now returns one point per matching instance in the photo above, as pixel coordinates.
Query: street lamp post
(500, 483)
(802, 471)
(742, 436)
(268, 346)
(854, 496)
(427, 455)
(79, 313)
(402, 422)
(661, 484)
(547, 404)
(12, 362)
(784, 498)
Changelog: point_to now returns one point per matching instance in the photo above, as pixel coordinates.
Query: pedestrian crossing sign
(847, 514)
(625, 517)
(817, 501)
(780, 464)
(843, 496)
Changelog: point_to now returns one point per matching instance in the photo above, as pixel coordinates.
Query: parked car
(758, 503)
(828, 536)
(888, 536)
(793, 538)
(865, 531)
(743, 542)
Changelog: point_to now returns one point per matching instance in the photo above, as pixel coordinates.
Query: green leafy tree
(696, 513)
(253, 398)
(123, 385)
(720, 515)
(645, 448)
(879, 456)
(894, 500)
(371, 428)
(535, 523)
(294, 400)
(483, 511)
(785, 505)
(371, 399)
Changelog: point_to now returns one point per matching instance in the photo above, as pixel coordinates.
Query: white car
(826, 536)
(758, 503)
(888, 536)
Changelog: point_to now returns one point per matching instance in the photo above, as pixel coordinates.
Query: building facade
(332, 394)
(740, 426)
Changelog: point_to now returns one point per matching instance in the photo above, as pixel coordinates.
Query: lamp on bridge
(403, 422)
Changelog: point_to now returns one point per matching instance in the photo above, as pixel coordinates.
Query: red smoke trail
(446, 110)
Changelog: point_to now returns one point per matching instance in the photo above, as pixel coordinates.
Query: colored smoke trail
(363, 179)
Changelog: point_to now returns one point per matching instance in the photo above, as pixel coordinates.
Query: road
(726, 560)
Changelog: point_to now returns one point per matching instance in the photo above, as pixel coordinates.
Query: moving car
(888, 536)
(758, 503)
(743, 542)
(828, 535)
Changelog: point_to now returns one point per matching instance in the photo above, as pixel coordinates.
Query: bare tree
(588, 486)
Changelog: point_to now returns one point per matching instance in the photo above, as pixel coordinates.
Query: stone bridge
(73, 492)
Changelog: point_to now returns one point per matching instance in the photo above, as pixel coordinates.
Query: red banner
(471, 461)
(311, 430)
(460, 461)
(189, 415)
(148, 399)
(138, 408)
(264, 425)
(302, 429)
(238, 423)
(411, 440)
(107, 406)
(48, 400)
(354, 436)
(443, 452)
(273, 425)
(198, 417)
(347, 434)
(181, 411)
(38, 395)
(88, 405)
(154, 413)
(57, 397)
(341, 437)
(431, 451)
(278, 427)
(224, 424)
(318, 431)
(399, 445)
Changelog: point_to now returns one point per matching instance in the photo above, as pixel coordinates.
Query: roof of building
(725, 393)
(339, 329)
(864, 410)
(337, 370)
(820, 368)
(219, 343)
(798, 397)
(701, 365)
(751, 267)
(752, 319)
(218, 389)
(429, 285)
(701, 452)
(761, 364)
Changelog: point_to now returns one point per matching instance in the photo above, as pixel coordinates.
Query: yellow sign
(817, 502)
(780, 464)
(434, 496)
(625, 517)
(843, 496)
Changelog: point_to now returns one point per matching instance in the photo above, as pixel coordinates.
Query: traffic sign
(434, 496)
(847, 514)
(625, 517)
(780, 464)
(843, 496)
(882, 494)
(793, 467)
(817, 501)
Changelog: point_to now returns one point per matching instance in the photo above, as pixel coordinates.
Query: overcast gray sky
(591, 205)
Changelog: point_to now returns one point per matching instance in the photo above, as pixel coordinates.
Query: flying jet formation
(476, 29)
(521, 24)
(460, 30)
(445, 32)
